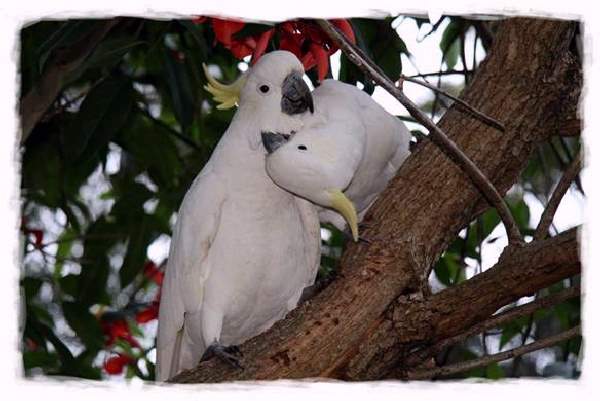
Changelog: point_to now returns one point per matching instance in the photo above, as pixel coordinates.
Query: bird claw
(231, 355)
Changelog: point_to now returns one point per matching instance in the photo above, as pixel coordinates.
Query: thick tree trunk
(354, 329)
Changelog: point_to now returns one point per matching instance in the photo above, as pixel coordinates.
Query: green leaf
(512, 329)
(31, 286)
(451, 55)
(450, 45)
(140, 237)
(100, 237)
(196, 32)
(67, 35)
(65, 243)
(110, 51)
(179, 85)
(494, 371)
(103, 113)
(84, 324)
(42, 163)
(451, 34)
(520, 211)
(39, 359)
(69, 284)
(153, 149)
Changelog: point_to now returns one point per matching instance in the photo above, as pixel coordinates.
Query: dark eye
(264, 88)
(301, 147)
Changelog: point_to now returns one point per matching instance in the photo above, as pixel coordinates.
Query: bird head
(311, 165)
(274, 83)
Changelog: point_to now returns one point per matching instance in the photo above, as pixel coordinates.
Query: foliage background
(104, 172)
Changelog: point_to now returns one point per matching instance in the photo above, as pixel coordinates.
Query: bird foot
(231, 355)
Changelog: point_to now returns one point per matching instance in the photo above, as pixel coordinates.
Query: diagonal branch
(35, 103)
(549, 301)
(482, 183)
(521, 270)
(501, 356)
(470, 109)
(440, 73)
(561, 189)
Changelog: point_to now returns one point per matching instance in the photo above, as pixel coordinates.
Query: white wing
(187, 269)
(387, 144)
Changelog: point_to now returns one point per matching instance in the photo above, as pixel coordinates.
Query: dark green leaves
(382, 44)
(84, 324)
(100, 238)
(451, 45)
(180, 89)
(103, 113)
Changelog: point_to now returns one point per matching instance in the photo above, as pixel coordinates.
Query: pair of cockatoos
(247, 239)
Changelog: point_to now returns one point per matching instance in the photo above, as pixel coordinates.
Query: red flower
(148, 314)
(30, 344)
(310, 44)
(38, 235)
(153, 273)
(225, 29)
(199, 20)
(305, 39)
(115, 329)
(114, 365)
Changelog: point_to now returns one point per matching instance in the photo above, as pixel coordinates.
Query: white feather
(243, 249)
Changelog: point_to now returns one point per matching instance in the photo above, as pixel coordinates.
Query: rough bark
(521, 271)
(523, 83)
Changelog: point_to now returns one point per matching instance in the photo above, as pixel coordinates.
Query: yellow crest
(226, 96)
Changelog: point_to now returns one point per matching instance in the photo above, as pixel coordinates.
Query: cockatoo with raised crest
(243, 249)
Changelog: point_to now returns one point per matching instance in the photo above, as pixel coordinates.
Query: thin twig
(466, 366)
(441, 73)
(548, 301)
(570, 158)
(486, 119)
(561, 189)
(487, 189)
(463, 56)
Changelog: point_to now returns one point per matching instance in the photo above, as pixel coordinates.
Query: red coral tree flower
(153, 273)
(254, 45)
(117, 329)
(147, 314)
(114, 365)
(310, 44)
(302, 37)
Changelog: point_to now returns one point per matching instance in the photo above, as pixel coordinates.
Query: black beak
(273, 140)
(295, 95)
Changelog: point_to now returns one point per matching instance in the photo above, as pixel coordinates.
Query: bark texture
(362, 324)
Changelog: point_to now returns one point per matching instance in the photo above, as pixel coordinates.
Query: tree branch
(482, 183)
(35, 103)
(521, 270)
(561, 189)
(549, 301)
(486, 360)
(440, 73)
(522, 81)
(470, 109)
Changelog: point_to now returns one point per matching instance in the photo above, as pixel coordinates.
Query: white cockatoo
(344, 156)
(243, 249)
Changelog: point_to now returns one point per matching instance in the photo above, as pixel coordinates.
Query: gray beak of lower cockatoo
(295, 95)
(272, 141)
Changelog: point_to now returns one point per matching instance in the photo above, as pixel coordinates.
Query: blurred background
(105, 169)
